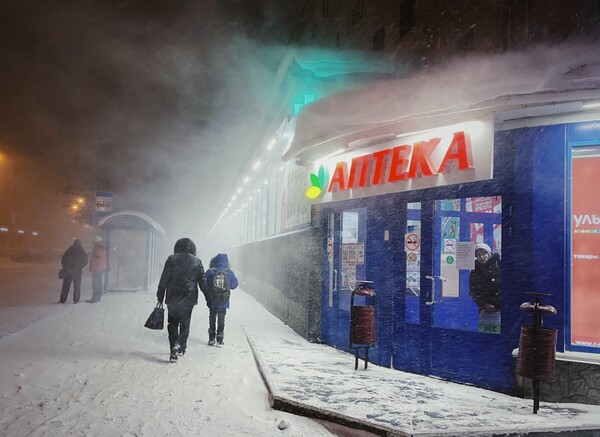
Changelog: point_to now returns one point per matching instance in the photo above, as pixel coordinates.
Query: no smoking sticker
(449, 245)
(412, 242)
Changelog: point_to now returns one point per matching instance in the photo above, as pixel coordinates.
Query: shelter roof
(130, 220)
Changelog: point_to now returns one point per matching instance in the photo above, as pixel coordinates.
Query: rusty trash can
(363, 333)
(537, 353)
(537, 348)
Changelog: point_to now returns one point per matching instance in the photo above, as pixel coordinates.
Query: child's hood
(220, 262)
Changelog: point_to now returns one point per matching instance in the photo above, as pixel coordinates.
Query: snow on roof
(128, 218)
(471, 85)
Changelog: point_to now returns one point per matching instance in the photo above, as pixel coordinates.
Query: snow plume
(451, 86)
(156, 102)
(197, 156)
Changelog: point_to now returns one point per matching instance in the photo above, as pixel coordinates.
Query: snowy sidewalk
(318, 380)
(94, 370)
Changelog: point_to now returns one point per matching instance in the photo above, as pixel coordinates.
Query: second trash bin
(537, 347)
(362, 321)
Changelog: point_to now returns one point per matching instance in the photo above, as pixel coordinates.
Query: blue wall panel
(581, 132)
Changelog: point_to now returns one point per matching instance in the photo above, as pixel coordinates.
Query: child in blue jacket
(219, 280)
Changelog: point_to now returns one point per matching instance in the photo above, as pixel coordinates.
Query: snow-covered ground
(94, 370)
(319, 378)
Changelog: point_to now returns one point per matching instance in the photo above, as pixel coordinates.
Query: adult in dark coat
(73, 261)
(181, 276)
(485, 281)
(217, 296)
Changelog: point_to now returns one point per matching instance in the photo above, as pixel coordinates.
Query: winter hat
(484, 247)
(98, 239)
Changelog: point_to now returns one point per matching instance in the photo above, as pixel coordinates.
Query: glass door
(452, 294)
(466, 264)
(345, 264)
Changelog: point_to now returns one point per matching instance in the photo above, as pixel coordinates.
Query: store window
(585, 250)
(353, 263)
(413, 262)
(467, 264)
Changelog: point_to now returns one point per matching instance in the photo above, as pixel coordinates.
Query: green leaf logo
(318, 182)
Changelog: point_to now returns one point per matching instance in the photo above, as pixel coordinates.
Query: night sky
(141, 97)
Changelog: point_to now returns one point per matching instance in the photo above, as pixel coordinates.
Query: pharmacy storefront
(415, 213)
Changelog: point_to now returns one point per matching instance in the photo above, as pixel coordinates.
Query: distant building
(35, 206)
(435, 29)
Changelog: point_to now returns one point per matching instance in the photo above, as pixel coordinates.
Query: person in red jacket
(97, 267)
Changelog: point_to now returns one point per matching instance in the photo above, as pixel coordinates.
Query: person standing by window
(485, 287)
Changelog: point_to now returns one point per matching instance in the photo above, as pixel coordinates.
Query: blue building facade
(431, 326)
(399, 182)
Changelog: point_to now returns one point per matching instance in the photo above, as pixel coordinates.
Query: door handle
(442, 280)
(335, 279)
(432, 279)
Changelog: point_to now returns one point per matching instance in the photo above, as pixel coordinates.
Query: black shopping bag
(157, 318)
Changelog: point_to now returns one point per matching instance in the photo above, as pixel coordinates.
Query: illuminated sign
(318, 182)
(104, 201)
(456, 154)
(407, 161)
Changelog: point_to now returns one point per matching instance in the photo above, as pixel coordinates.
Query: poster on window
(349, 227)
(353, 253)
(492, 204)
(585, 252)
(450, 227)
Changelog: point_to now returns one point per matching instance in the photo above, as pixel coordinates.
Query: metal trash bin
(537, 353)
(537, 347)
(363, 331)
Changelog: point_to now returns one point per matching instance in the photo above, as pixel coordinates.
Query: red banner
(585, 252)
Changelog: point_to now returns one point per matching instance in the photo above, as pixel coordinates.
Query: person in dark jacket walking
(218, 282)
(181, 276)
(73, 261)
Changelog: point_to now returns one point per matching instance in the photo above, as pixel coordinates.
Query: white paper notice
(465, 255)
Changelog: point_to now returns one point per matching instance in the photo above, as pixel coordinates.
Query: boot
(173, 357)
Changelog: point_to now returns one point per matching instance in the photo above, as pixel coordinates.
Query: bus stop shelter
(133, 247)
